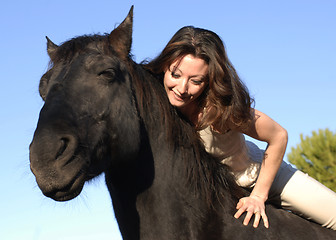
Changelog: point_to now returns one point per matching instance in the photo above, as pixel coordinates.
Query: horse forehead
(85, 62)
(98, 60)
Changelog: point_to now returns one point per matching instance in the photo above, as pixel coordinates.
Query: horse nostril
(63, 147)
(66, 149)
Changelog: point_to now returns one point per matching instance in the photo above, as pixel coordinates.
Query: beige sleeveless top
(242, 156)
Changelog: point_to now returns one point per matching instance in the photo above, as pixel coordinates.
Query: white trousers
(295, 191)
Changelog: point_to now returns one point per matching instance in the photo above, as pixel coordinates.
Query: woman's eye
(108, 73)
(175, 75)
(197, 82)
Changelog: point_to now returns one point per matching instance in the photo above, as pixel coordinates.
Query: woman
(203, 85)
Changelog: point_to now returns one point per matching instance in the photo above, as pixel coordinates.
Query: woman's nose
(183, 86)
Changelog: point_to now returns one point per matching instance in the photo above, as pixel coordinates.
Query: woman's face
(185, 80)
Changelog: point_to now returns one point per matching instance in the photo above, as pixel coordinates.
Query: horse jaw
(120, 39)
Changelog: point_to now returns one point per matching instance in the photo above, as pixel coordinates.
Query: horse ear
(51, 48)
(121, 38)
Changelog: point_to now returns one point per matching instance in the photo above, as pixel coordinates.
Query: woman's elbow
(283, 135)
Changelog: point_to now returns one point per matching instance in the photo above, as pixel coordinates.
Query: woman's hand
(252, 205)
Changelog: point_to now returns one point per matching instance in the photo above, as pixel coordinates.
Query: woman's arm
(265, 129)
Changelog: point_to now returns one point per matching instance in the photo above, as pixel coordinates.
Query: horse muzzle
(60, 173)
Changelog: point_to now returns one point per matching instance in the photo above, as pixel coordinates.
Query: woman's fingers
(247, 218)
(239, 213)
(240, 203)
(252, 207)
(265, 219)
(256, 219)
(241, 208)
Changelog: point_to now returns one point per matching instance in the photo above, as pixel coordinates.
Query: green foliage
(316, 155)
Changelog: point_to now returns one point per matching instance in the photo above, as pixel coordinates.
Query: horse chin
(74, 187)
(70, 192)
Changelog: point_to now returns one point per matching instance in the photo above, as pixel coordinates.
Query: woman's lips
(179, 97)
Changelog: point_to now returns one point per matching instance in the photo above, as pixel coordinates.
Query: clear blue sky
(285, 51)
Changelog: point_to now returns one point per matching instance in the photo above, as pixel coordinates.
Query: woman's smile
(184, 80)
(179, 97)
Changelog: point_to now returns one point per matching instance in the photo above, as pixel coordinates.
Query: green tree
(316, 155)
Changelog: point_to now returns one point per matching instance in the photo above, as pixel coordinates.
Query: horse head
(89, 118)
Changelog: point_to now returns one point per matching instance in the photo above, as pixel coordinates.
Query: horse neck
(175, 145)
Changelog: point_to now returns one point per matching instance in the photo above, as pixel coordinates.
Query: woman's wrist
(260, 197)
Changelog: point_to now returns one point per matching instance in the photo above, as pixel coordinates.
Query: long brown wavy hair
(226, 100)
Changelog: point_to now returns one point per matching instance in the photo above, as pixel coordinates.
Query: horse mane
(205, 175)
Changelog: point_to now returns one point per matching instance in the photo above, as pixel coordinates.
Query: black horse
(105, 113)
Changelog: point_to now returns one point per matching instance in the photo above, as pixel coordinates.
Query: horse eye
(107, 73)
